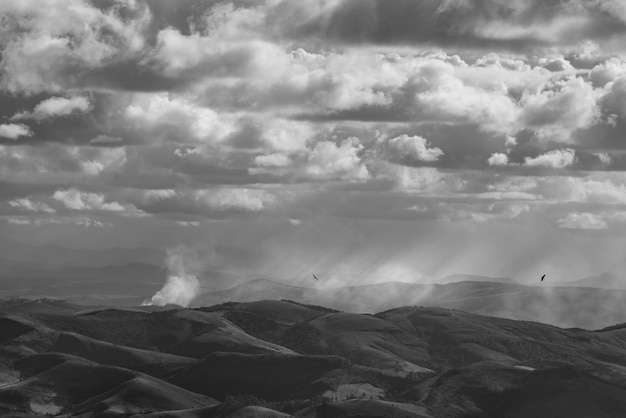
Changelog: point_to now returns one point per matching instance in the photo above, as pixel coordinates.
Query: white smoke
(182, 286)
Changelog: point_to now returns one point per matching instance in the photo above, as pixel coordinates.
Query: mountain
(603, 281)
(561, 306)
(455, 278)
(126, 284)
(286, 359)
(52, 255)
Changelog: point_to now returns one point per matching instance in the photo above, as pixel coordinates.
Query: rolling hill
(561, 306)
(285, 358)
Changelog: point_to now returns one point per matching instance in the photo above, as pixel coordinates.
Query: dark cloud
(488, 24)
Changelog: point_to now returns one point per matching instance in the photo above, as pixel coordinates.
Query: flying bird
(316, 278)
(542, 277)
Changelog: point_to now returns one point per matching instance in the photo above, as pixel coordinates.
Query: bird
(542, 277)
(316, 278)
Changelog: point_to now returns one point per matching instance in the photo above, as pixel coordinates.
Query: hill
(283, 358)
(603, 281)
(589, 308)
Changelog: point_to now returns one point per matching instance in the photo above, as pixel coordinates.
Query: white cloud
(77, 200)
(251, 200)
(56, 107)
(498, 159)
(607, 71)
(77, 221)
(285, 135)
(575, 189)
(155, 111)
(29, 205)
(327, 160)
(582, 220)
(188, 223)
(500, 212)
(94, 161)
(413, 148)
(272, 160)
(557, 159)
(54, 44)
(14, 130)
(18, 221)
(604, 157)
(54, 160)
(160, 194)
(561, 109)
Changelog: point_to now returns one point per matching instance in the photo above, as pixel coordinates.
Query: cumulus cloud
(53, 46)
(582, 220)
(557, 159)
(56, 107)
(227, 108)
(500, 211)
(498, 159)
(413, 149)
(177, 117)
(77, 200)
(559, 110)
(323, 160)
(329, 160)
(477, 23)
(14, 130)
(30, 205)
(235, 199)
(59, 161)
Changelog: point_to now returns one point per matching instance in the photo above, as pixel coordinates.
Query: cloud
(31, 206)
(493, 24)
(582, 220)
(81, 221)
(187, 111)
(412, 149)
(165, 115)
(604, 158)
(14, 130)
(324, 160)
(105, 140)
(499, 211)
(56, 107)
(235, 199)
(562, 108)
(329, 160)
(53, 47)
(498, 159)
(56, 161)
(77, 200)
(557, 159)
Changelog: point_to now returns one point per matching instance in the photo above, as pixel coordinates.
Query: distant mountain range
(56, 256)
(455, 278)
(603, 281)
(562, 306)
(57, 272)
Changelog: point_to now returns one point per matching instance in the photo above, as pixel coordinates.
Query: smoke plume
(182, 285)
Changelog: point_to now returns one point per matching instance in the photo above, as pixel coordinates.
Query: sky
(363, 139)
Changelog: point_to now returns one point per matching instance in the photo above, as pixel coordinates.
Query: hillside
(580, 307)
(282, 358)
